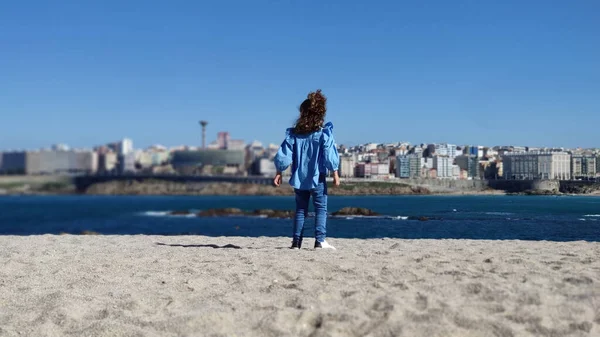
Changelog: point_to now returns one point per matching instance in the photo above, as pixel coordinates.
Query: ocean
(565, 218)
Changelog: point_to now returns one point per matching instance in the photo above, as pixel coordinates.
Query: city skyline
(494, 73)
(379, 161)
(214, 143)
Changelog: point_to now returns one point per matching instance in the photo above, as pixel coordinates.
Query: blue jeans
(319, 195)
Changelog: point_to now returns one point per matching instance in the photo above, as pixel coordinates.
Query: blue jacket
(309, 155)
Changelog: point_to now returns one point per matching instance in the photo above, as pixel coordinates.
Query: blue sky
(466, 72)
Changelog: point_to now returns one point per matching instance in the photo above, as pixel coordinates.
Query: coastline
(156, 187)
(61, 185)
(189, 285)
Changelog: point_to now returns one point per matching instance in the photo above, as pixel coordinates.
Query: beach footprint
(421, 302)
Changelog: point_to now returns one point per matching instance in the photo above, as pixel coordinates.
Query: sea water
(564, 218)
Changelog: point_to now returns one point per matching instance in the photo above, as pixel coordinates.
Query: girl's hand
(336, 179)
(277, 180)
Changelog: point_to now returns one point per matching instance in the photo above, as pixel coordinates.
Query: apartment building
(537, 165)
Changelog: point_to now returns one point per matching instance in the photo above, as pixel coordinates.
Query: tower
(203, 124)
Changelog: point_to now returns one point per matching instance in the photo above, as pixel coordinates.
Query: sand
(231, 286)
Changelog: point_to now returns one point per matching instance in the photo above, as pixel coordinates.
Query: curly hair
(312, 113)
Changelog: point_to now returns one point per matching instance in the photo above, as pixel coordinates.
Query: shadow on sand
(227, 246)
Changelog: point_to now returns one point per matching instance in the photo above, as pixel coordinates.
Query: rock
(220, 212)
(355, 211)
(283, 214)
(181, 212)
(270, 213)
(266, 212)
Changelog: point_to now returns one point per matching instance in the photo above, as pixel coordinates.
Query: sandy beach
(232, 286)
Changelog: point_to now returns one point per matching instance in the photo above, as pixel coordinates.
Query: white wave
(498, 213)
(383, 217)
(156, 213)
(167, 214)
(582, 219)
(264, 216)
(592, 215)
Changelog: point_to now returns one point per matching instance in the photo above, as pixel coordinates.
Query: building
(443, 167)
(211, 146)
(143, 159)
(107, 162)
(272, 151)
(372, 170)
(222, 140)
(402, 150)
(416, 164)
(236, 145)
(499, 169)
(469, 164)
(192, 162)
(576, 163)
(588, 166)
(440, 150)
(382, 156)
(431, 173)
(254, 151)
(150, 158)
(126, 163)
(469, 151)
(583, 166)
(347, 166)
(265, 167)
(427, 163)
(370, 147)
(60, 147)
(362, 170)
(49, 162)
(13, 163)
(403, 166)
(480, 151)
(537, 165)
(429, 150)
(490, 153)
(125, 146)
(445, 150)
(488, 169)
(456, 172)
(418, 150)
(160, 158)
(476, 151)
(61, 162)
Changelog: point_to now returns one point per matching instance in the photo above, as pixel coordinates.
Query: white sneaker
(323, 245)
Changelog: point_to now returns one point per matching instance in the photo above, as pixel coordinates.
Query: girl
(310, 149)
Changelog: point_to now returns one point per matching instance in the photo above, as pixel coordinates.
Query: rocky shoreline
(151, 187)
(62, 186)
(281, 214)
